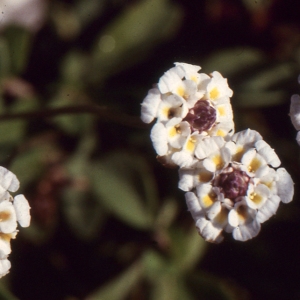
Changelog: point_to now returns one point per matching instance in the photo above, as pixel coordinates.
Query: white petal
(22, 210)
(267, 153)
(183, 159)
(298, 138)
(4, 266)
(214, 210)
(8, 180)
(246, 137)
(268, 209)
(170, 81)
(285, 186)
(188, 68)
(193, 205)
(206, 195)
(208, 231)
(159, 138)
(5, 248)
(8, 219)
(257, 196)
(246, 232)
(186, 181)
(150, 106)
(295, 111)
(209, 145)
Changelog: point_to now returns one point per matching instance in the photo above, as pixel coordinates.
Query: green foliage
(124, 186)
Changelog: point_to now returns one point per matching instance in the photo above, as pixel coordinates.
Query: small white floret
(285, 186)
(22, 210)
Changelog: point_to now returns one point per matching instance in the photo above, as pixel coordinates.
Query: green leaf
(132, 34)
(121, 182)
(167, 213)
(208, 287)
(5, 294)
(229, 62)
(187, 248)
(154, 264)
(29, 165)
(83, 214)
(267, 77)
(260, 99)
(119, 288)
(19, 41)
(5, 64)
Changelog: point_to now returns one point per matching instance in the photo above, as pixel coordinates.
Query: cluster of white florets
(231, 181)
(12, 210)
(189, 106)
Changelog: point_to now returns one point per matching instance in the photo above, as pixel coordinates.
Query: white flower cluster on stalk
(231, 181)
(12, 211)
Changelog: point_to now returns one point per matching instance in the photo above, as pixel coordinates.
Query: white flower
(243, 183)
(5, 248)
(217, 87)
(12, 210)
(185, 158)
(150, 105)
(243, 219)
(8, 218)
(295, 114)
(180, 95)
(22, 208)
(191, 177)
(4, 266)
(8, 182)
(30, 14)
(174, 133)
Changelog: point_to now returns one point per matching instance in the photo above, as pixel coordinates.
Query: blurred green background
(108, 221)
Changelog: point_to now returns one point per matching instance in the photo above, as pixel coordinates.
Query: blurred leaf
(166, 282)
(268, 77)
(73, 124)
(165, 287)
(12, 131)
(5, 294)
(120, 287)
(154, 264)
(19, 41)
(88, 10)
(187, 248)
(30, 164)
(83, 214)
(5, 63)
(167, 213)
(124, 185)
(72, 68)
(208, 287)
(229, 62)
(134, 32)
(260, 99)
(65, 20)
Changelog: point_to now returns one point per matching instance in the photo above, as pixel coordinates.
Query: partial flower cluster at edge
(13, 210)
(232, 181)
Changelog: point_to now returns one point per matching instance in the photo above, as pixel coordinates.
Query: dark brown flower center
(202, 116)
(233, 183)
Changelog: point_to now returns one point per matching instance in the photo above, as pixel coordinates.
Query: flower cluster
(189, 106)
(12, 210)
(231, 181)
